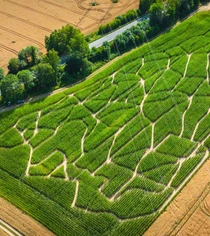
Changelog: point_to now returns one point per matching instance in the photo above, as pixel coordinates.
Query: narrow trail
(152, 136)
(168, 65)
(207, 67)
(82, 147)
(65, 162)
(76, 194)
(113, 142)
(188, 61)
(37, 123)
(29, 161)
(180, 162)
(183, 116)
(198, 123)
(145, 96)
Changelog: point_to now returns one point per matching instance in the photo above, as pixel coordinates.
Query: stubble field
(24, 23)
(106, 156)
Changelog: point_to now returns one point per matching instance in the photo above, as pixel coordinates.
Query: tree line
(32, 72)
(162, 14)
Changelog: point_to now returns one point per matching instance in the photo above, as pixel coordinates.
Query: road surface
(113, 35)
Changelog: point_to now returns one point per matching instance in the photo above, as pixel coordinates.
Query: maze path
(126, 141)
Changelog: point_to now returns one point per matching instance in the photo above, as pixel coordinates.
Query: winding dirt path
(76, 194)
(183, 116)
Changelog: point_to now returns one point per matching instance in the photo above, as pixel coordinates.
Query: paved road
(114, 34)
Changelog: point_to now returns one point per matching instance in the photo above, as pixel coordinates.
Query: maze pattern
(127, 143)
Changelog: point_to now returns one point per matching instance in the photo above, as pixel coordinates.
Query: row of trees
(118, 21)
(166, 13)
(162, 14)
(33, 72)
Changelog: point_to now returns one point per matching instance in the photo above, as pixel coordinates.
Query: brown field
(18, 220)
(24, 22)
(189, 213)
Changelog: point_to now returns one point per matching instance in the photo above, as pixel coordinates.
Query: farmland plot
(110, 153)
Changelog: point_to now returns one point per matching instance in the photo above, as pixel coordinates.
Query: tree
(44, 75)
(1, 73)
(78, 66)
(29, 57)
(11, 88)
(157, 14)
(13, 66)
(172, 11)
(53, 59)
(27, 78)
(145, 5)
(67, 40)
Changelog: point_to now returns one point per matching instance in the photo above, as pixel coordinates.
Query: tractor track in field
(9, 49)
(23, 36)
(68, 9)
(107, 14)
(40, 12)
(26, 21)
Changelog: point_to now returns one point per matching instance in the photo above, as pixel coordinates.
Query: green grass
(127, 137)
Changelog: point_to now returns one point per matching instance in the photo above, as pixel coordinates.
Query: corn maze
(106, 156)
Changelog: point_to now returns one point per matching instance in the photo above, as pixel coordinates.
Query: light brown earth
(20, 221)
(189, 213)
(24, 23)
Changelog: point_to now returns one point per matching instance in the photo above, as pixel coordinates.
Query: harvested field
(25, 224)
(25, 23)
(189, 213)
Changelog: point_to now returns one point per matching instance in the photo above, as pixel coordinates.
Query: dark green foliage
(2, 73)
(44, 75)
(11, 89)
(13, 65)
(66, 40)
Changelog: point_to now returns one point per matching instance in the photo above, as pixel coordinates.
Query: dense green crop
(102, 157)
